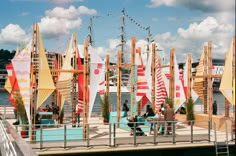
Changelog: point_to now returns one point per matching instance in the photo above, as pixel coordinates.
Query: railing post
(41, 137)
(173, 132)
(65, 141)
(231, 130)
(109, 134)
(135, 134)
(114, 135)
(88, 136)
(226, 130)
(209, 131)
(155, 134)
(191, 139)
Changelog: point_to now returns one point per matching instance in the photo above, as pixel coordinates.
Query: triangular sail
(226, 80)
(21, 65)
(142, 86)
(159, 85)
(185, 82)
(45, 82)
(97, 72)
(179, 91)
(198, 82)
(64, 79)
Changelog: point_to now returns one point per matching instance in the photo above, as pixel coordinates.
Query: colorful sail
(45, 82)
(159, 85)
(185, 83)
(65, 78)
(198, 82)
(21, 65)
(97, 73)
(226, 86)
(142, 85)
(179, 91)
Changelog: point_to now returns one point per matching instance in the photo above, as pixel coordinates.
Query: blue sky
(182, 24)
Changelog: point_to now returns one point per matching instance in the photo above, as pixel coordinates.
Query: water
(97, 106)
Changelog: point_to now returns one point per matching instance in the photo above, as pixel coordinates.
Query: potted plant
(21, 112)
(190, 110)
(105, 109)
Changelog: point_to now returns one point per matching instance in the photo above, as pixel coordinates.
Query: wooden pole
(85, 95)
(74, 82)
(34, 72)
(134, 78)
(172, 76)
(189, 83)
(107, 77)
(209, 81)
(153, 75)
(118, 103)
(233, 76)
(205, 80)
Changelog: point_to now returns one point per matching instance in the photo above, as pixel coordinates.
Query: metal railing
(98, 134)
(55, 136)
(7, 148)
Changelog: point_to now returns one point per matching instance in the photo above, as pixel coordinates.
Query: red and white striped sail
(159, 86)
(142, 85)
(179, 91)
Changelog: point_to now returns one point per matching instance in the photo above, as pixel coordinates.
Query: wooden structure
(119, 66)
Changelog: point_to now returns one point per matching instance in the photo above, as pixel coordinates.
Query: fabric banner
(179, 90)
(97, 73)
(21, 65)
(45, 82)
(159, 86)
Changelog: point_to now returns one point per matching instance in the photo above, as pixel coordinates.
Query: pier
(109, 139)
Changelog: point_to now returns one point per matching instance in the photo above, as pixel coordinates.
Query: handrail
(7, 149)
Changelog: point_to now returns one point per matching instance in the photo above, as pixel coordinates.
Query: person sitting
(149, 113)
(134, 124)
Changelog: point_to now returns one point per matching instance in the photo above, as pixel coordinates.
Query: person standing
(125, 108)
(169, 116)
(214, 108)
(78, 115)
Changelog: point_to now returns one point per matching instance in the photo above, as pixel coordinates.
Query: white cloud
(24, 14)
(12, 34)
(193, 38)
(65, 1)
(203, 5)
(59, 20)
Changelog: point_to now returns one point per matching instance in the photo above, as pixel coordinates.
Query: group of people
(164, 118)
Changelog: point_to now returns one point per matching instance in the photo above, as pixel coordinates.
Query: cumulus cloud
(59, 20)
(204, 5)
(193, 38)
(12, 34)
(65, 1)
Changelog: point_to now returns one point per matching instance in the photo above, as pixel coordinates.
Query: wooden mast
(233, 71)
(209, 80)
(34, 74)
(107, 77)
(85, 95)
(153, 75)
(189, 83)
(74, 82)
(172, 75)
(205, 80)
(118, 102)
(134, 78)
